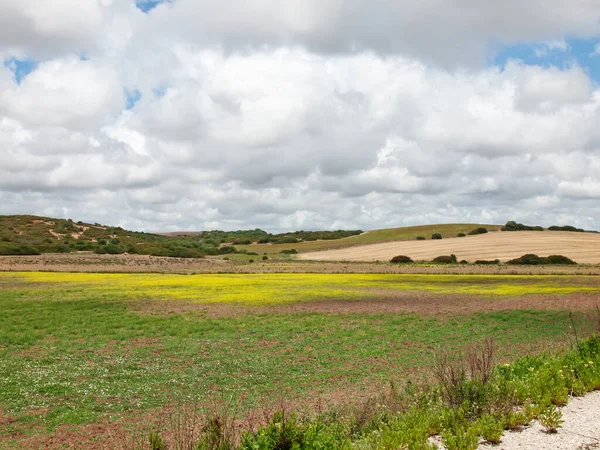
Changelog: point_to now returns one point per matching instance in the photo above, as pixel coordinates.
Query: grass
(82, 348)
(372, 237)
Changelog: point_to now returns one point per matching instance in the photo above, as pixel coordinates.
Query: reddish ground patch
(384, 302)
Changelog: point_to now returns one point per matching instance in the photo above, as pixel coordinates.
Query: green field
(86, 348)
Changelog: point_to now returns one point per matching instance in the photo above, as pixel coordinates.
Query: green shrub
(461, 235)
(514, 226)
(531, 259)
(436, 236)
(113, 249)
(18, 249)
(566, 228)
(484, 262)
(559, 260)
(421, 238)
(265, 258)
(480, 230)
(291, 251)
(60, 248)
(490, 428)
(401, 259)
(551, 419)
(445, 259)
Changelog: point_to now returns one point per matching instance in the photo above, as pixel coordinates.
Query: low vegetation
(479, 230)
(488, 262)
(401, 259)
(534, 260)
(33, 235)
(472, 399)
(566, 228)
(445, 259)
(436, 236)
(514, 226)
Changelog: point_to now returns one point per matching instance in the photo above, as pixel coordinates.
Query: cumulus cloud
(315, 115)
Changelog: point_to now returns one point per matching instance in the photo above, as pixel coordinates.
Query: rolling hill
(502, 245)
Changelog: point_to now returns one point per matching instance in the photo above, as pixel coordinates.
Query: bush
(420, 238)
(566, 228)
(534, 260)
(511, 225)
(291, 251)
(113, 249)
(265, 258)
(480, 230)
(15, 249)
(461, 235)
(401, 259)
(484, 262)
(559, 260)
(445, 259)
(60, 248)
(436, 236)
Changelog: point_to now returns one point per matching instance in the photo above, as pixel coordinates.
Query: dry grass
(447, 230)
(581, 247)
(89, 262)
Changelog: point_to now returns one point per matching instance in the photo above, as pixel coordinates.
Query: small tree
(436, 236)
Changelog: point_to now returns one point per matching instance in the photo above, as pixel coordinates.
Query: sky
(300, 114)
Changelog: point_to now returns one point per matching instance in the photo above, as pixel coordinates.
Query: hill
(372, 237)
(27, 235)
(503, 245)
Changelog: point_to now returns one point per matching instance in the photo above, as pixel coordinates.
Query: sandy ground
(581, 429)
(581, 247)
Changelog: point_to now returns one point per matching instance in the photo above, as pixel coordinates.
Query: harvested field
(581, 247)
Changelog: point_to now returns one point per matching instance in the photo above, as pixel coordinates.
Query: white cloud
(556, 45)
(596, 51)
(312, 115)
(64, 92)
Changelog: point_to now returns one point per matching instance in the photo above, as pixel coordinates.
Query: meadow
(85, 350)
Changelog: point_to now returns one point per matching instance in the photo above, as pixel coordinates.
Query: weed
(551, 419)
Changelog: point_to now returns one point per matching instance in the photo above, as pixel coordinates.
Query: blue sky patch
(132, 96)
(148, 5)
(556, 53)
(20, 67)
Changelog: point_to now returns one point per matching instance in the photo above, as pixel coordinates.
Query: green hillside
(373, 237)
(31, 235)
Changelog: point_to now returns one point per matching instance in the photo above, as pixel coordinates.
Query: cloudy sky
(300, 114)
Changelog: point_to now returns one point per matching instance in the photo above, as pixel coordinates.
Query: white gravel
(580, 430)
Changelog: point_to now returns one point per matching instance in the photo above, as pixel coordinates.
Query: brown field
(581, 247)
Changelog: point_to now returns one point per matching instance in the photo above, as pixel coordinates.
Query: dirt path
(581, 247)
